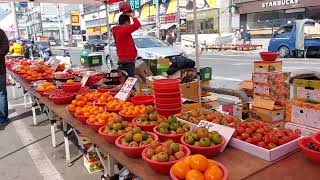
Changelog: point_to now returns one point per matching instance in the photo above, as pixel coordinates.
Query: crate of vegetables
(259, 139)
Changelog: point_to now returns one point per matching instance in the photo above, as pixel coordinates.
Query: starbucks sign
(279, 3)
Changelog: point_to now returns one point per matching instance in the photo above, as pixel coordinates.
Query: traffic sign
(23, 4)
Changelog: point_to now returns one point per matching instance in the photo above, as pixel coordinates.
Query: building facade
(42, 21)
(263, 17)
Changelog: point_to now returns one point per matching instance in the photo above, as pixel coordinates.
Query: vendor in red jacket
(126, 49)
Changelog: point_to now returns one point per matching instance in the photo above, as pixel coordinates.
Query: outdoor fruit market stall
(159, 138)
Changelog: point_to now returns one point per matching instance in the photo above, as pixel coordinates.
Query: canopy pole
(60, 27)
(158, 19)
(108, 29)
(195, 21)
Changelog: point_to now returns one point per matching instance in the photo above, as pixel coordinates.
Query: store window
(205, 26)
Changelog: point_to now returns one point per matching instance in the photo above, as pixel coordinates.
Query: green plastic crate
(206, 73)
(91, 60)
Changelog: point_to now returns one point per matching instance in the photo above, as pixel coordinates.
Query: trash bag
(180, 62)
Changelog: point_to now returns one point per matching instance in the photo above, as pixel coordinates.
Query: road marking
(240, 64)
(226, 78)
(38, 156)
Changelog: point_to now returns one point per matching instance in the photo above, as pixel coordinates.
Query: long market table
(240, 165)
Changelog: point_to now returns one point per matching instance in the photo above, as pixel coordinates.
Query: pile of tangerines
(46, 86)
(133, 110)
(197, 167)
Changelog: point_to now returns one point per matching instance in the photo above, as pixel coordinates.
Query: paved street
(230, 68)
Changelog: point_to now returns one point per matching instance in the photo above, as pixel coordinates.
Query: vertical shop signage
(75, 23)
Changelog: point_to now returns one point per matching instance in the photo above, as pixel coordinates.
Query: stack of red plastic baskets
(167, 96)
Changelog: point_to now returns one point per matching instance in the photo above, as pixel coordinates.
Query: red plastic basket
(71, 87)
(312, 155)
(61, 98)
(162, 167)
(139, 100)
(133, 152)
(149, 127)
(206, 151)
(163, 137)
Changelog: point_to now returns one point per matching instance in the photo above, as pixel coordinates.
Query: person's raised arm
(4, 43)
(136, 24)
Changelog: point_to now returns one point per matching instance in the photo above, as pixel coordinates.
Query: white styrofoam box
(304, 116)
(266, 154)
(305, 130)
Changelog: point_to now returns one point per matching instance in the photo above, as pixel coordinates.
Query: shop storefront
(208, 21)
(263, 17)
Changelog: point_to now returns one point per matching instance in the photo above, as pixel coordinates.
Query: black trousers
(128, 67)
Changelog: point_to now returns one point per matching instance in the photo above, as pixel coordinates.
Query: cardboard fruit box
(276, 92)
(307, 90)
(267, 66)
(271, 77)
(92, 167)
(306, 114)
(266, 154)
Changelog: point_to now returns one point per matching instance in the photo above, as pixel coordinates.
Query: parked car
(148, 48)
(287, 39)
(95, 44)
(52, 43)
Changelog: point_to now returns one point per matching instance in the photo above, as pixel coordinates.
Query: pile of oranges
(134, 110)
(102, 118)
(118, 105)
(46, 86)
(79, 103)
(104, 98)
(197, 167)
(93, 96)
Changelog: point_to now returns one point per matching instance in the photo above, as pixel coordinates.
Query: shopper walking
(4, 49)
(126, 49)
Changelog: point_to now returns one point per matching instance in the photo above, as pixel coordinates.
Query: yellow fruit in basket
(41, 88)
(69, 81)
(213, 173)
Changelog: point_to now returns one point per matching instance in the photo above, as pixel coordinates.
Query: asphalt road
(230, 68)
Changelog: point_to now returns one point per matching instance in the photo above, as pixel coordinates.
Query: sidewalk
(26, 151)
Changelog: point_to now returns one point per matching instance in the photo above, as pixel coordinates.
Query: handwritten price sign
(224, 131)
(124, 92)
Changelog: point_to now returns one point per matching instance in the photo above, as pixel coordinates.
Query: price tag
(50, 60)
(55, 64)
(124, 92)
(85, 78)
(66, 69)
(224, 131)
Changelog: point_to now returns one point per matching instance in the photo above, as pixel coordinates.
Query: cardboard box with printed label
(271, 78)
(306, 114)
(142, 70)
(307, 90)
(190, 90)
(266, 110)
(276, 92)
(267, 66)
(266, 115)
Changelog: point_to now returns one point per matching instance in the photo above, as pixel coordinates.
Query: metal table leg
(66, 142)
(52, 127)
(108, 168)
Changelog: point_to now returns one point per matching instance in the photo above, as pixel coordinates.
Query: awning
(167, 26)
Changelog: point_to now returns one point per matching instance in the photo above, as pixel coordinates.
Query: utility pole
(16, 27)
(158, 19)
(178, 39)
(60, 27)
(33, 26)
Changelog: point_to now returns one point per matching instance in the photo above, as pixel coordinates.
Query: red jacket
(126, 49)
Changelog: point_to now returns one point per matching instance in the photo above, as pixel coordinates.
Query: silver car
(148, 48)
